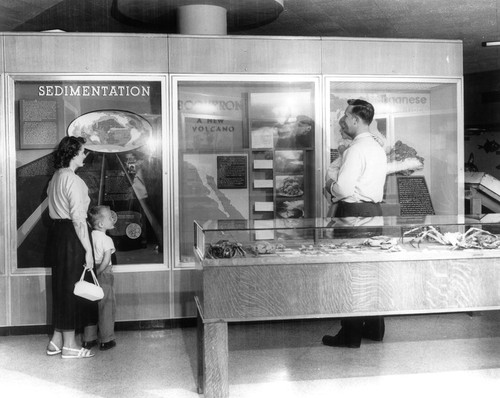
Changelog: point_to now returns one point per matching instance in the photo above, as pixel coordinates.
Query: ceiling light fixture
(491, 43)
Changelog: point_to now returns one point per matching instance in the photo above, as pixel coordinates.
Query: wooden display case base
(257, 291)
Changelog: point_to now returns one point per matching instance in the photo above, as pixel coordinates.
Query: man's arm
(349, 173)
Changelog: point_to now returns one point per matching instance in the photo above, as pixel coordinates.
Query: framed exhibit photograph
(289, 124)
(290, 186)
(38, 127)
(289, 162)
(286, 208)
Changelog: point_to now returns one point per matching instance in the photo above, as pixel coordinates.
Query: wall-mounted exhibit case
(255, 158)
(418, 122)
(237, 129)
(121, 122)
(246, 152)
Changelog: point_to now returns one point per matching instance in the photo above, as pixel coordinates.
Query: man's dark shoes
(339, 340)
(375, 330)
(375, 336)
(107, 346)
(89, 344)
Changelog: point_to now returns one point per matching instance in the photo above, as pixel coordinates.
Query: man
(359, 189)
(333, 170)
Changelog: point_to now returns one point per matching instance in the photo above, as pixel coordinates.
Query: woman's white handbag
(87, 290)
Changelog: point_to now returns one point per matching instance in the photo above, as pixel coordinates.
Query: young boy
(102, 220)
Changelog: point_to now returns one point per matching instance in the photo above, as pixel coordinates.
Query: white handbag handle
(93, 276)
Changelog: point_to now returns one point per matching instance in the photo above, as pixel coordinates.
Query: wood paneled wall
(169, 293)
(392, 57)
(4, 301)
(244, 55)
(143, 295)
(85, 53)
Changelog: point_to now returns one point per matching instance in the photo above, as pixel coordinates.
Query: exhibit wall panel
(244, 55)
(4, 295)
(30, 303)
(186, 285)
(139, 296)
(85, 53)
(142, 295)
(392, 57)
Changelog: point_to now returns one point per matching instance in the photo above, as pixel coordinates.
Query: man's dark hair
(362, 109)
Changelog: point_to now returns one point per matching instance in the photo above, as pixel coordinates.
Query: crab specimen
(384, 242)
(474, 238)
(265, 248)
(225, 249)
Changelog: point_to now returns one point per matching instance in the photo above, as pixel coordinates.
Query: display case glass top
(348, 239)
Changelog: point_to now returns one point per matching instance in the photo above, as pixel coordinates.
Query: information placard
(38, 124)
(414, 197)
(231, 172)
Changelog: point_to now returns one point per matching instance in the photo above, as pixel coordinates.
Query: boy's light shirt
(101, 243)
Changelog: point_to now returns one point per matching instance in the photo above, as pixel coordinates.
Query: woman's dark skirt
(66, 256)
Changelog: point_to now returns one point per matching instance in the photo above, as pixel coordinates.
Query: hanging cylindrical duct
(202, 19)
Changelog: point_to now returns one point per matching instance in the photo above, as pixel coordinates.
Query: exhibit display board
(417, 120)
(121, 121)
(246, 152)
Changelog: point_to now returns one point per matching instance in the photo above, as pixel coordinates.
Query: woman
(69, 249)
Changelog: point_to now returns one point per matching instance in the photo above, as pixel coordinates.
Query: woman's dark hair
(67, 149)
(362, 109)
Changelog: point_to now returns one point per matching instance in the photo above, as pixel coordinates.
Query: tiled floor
(446, 355)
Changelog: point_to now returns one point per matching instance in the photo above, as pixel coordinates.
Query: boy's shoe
(89, 344)
(107, 346)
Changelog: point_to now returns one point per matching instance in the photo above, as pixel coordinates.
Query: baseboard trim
(119, 326)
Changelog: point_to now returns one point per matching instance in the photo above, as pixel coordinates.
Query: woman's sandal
(80, 353)
(55, 351)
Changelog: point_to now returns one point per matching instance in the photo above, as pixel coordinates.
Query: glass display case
(419, 123)
(251, 150)
(349, 239)
(121, 121)
(247, 151)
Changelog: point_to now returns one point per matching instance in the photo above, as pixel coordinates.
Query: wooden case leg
(199, 347)
(215, 360)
